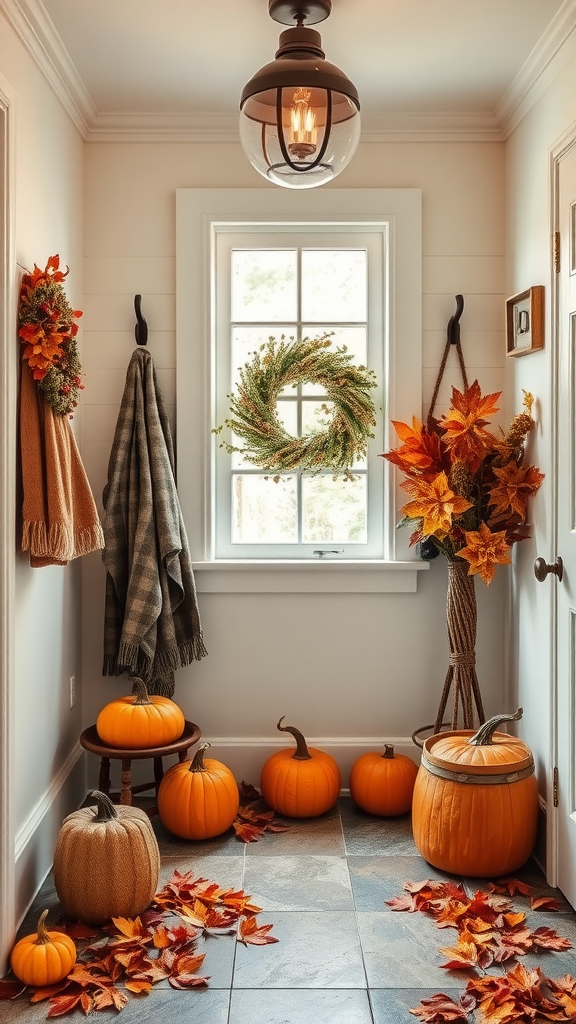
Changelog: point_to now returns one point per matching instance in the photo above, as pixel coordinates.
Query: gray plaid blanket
(151, 623)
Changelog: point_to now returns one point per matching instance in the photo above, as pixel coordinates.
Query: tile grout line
(346, 855)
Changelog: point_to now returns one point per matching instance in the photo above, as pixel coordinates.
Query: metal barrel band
(479, 780)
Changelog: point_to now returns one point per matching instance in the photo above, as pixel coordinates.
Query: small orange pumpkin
(475, 805)
(301, 783)
(139, 721)
(198, 799)
(43, 958)
(383, 783)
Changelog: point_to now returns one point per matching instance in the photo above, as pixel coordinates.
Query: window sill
(293, 576)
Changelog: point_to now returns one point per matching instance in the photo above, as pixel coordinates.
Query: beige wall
(529, 262)
(342, 667)
(48, 778)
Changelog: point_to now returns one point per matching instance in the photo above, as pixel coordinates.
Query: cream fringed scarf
(59, 516)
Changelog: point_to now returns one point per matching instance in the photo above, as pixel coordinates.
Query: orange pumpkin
(138, 721)
(383, 783)
(300, 783)
(43, 958)
(198, 799)
(475, 804)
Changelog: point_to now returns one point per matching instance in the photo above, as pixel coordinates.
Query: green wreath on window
(254, 408)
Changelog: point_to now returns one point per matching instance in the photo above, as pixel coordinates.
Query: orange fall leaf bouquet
(47, 330)
(468, 486)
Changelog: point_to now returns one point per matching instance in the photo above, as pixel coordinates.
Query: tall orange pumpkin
(301, 783)
(475, 804)
(198, 799)
(383, 783)
(139, 721)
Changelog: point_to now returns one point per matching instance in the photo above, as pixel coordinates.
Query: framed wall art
(525, 321)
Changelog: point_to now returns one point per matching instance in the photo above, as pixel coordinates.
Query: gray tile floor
(343, 956)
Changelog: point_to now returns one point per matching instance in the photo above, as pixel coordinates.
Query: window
(288, 283)
(254, 263)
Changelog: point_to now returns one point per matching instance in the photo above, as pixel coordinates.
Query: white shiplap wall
(294, 654)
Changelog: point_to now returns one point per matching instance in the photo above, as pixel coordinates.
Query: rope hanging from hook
(452, 338)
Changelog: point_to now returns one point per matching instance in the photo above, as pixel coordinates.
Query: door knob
(542, 568)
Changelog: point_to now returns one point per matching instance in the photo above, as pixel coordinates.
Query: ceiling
(410, 57)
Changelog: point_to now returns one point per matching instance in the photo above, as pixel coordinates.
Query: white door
(566, 527)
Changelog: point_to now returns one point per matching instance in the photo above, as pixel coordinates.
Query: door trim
(8, 438)
(559, 151)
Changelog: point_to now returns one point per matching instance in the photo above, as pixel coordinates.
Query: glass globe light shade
(299, 115)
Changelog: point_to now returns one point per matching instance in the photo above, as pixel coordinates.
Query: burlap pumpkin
(106, 862)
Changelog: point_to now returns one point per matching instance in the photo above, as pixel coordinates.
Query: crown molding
(426, 126)
(164, 127)
(542, 65)
(31, 22)
(393, 126)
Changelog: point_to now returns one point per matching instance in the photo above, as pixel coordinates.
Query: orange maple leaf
(564, 990)
(463, 425)
(463, 955)
(435, 503)
(420, 450)
(516, 484)
(138, 986)
(251, 933)
(130, 927)
(485, 550)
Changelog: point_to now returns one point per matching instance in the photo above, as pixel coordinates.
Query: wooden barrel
(475, 805)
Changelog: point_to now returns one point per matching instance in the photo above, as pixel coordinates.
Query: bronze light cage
(299, 115)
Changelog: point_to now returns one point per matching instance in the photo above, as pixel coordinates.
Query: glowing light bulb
(303, 130)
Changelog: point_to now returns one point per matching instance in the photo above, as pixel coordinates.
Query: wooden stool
(91, 741)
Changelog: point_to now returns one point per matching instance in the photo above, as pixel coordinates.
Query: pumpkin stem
(139, 688)
(43, 936)
(301, 753)
(198, 762)
(388, 751)
(104, 806)
(483, 738)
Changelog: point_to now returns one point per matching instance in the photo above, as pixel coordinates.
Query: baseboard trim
(245, 755)
(42, 808)
(36, 839)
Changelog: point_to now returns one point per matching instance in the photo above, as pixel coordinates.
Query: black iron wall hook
(453, 329)
(141, 328)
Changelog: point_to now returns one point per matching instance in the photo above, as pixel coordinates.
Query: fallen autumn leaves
(491, 932)
(161, 945)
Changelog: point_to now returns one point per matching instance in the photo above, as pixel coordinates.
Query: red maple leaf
(439, 1008)
(545, 903)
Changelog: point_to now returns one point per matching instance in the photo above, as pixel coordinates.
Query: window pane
(287, 412)
(316, 416)
(264, 284)
(334, 511)
(334, 285)
(264, 512)
(352, 338)
(247, 340)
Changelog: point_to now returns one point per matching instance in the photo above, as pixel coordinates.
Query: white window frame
(198, 214)
(373, 238)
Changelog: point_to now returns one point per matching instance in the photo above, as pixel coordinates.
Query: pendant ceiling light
(299, 115)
